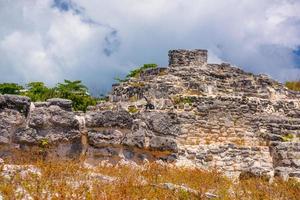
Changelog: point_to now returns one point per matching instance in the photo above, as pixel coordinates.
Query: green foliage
(137, 84)
(38, 91)
(182, 100)
(184, 195)
(187, 100)
(44, 143)
(293, 85)
(287, 138)
(81, 102)
(77, 92)
(71, 87)
(10, 88)
(136, 72)
(132, 109)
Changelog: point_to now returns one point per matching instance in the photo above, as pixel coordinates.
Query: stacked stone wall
(179, 58)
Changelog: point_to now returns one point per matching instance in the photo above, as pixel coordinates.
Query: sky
(97, 40)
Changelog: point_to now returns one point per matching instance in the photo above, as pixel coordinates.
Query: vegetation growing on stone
(132, 109)
(293, 85)
(288, 137)
(135, 73)
(182, 100)
(137, 84)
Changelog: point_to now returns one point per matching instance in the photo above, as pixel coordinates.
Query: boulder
(15, 102)
(121, 119)
(136, 139)
(163, 144)
(53, 124)
(162, 123)
(65, 104)
(105, 137)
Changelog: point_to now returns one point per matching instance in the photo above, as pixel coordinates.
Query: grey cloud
(97, 40)
(111, 40)
(67, 5)
(112, 43)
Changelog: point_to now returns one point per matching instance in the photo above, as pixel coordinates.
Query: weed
(133, 98)
(162, 73)
(182, 100)
(132, 109)
(287, 138)
(293, 85)
(137, 84)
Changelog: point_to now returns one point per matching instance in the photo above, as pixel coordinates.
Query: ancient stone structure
(181, 57)
(206, 116)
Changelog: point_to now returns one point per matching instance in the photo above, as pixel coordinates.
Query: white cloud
(95, 40)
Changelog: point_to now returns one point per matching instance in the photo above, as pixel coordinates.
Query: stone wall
(220, 108)
(187, 57)
(206, 116)
(24, 125)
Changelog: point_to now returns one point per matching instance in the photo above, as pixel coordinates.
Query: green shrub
(293, 85)
(287, 138)
(10, 88)
(137, 84)
(136, 72)
(132, 109)
(38, 91)
(182, 100)
(77, 92)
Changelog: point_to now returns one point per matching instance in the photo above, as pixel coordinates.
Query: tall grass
(71, 179)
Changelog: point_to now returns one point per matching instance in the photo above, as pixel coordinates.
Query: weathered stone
(9, 171)
(39, 118)
(26, 136)
(295, 174)
(14, 102)
(163, 123)
(163, 144)
(121, 119)
(41, 104)
(64, 104)
(185, 57)
(1, 162)
(105, 137)
(136, 139)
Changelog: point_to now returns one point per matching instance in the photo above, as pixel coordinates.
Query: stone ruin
(210, 116)
(179, 58)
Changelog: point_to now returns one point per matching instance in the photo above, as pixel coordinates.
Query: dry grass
(293, 85)
(70, 179)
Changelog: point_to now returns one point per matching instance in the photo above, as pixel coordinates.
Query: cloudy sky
(97, 40)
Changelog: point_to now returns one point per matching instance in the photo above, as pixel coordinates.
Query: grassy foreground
(61, 179)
